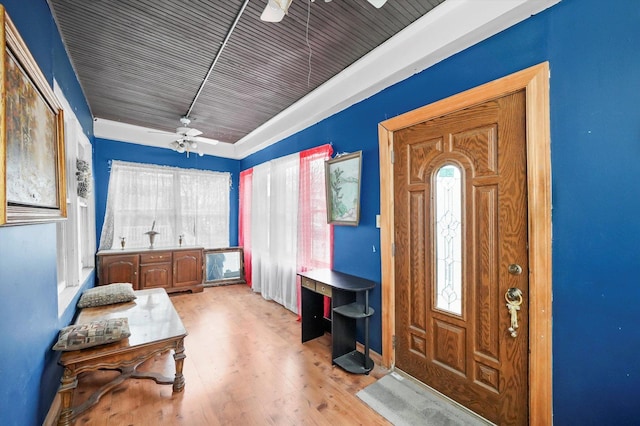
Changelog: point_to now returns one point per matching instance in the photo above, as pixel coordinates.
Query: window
(76, 243)
(172, 201)
(448, 230)
(283, 223)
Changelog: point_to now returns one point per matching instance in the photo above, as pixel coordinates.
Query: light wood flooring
(245, 365)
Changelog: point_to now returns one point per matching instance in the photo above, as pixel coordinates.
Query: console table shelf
(354, 362)
(354, 310)
(347, 311)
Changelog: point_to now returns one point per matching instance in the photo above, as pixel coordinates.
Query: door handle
(513, 296)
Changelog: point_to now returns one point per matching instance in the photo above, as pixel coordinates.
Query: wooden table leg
(68, 385)
(179, 356)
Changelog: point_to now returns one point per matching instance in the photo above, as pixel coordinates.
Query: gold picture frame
(342, 180)
(32, 157)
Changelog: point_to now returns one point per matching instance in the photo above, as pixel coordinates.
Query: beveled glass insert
(448, 229)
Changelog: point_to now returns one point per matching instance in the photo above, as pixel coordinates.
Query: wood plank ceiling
(142, 62)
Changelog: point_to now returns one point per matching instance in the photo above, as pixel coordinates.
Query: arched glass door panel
(448, 227)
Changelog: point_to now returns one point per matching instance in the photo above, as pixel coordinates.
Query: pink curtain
(244, 220)
(315, 236)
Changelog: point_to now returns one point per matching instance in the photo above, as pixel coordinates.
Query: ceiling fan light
(194, 144)
(200, 153)
(377, 3)
(180, 148)
(275, 10)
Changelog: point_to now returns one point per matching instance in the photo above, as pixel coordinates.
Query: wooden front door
(460, 208)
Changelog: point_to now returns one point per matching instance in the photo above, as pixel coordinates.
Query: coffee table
(155, 328)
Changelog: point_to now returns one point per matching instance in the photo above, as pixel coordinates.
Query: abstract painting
(32, 141)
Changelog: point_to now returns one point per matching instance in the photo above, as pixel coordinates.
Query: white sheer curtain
(174, 201)
(260, 220)
(274, 229)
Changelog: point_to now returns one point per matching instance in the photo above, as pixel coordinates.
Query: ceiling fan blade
(160, 132)
(193, 132)
(206, 140)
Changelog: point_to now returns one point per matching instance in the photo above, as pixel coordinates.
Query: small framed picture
(224, 266)
(342, 177)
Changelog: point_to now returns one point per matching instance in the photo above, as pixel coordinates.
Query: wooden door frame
(535, 82)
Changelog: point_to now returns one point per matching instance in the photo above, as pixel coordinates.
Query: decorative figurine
(152, 234)
(180, 238)
(123, 241)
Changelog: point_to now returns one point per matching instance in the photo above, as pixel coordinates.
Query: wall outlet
(377, 221)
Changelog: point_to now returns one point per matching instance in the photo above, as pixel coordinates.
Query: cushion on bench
(80, 336)
(107, 295)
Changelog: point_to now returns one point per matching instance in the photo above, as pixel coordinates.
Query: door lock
(515, 269)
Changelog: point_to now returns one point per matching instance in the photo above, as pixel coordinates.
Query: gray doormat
(403, 402)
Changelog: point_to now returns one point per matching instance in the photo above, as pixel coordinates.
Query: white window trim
(78, 264)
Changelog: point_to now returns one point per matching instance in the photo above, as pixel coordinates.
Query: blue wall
(28, 279)
(595, 88)
(594, 54)
(106, 150)
(595, 131)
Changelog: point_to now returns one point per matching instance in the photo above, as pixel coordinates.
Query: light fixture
(186, 145)
(275, 10)
(188, 139)
(191, 145)
(377, 3)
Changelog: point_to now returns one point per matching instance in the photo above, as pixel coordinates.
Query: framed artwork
(224, 266)
(32, 159)
(342, 177)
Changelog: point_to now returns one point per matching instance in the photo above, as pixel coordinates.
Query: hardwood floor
(245, 365)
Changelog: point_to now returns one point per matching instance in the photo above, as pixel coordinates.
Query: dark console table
(346, 311)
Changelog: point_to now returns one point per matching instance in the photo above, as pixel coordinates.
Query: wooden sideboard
(171, 268)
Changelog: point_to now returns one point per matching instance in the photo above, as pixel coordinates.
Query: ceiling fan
(187, 139)
(276, 9)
